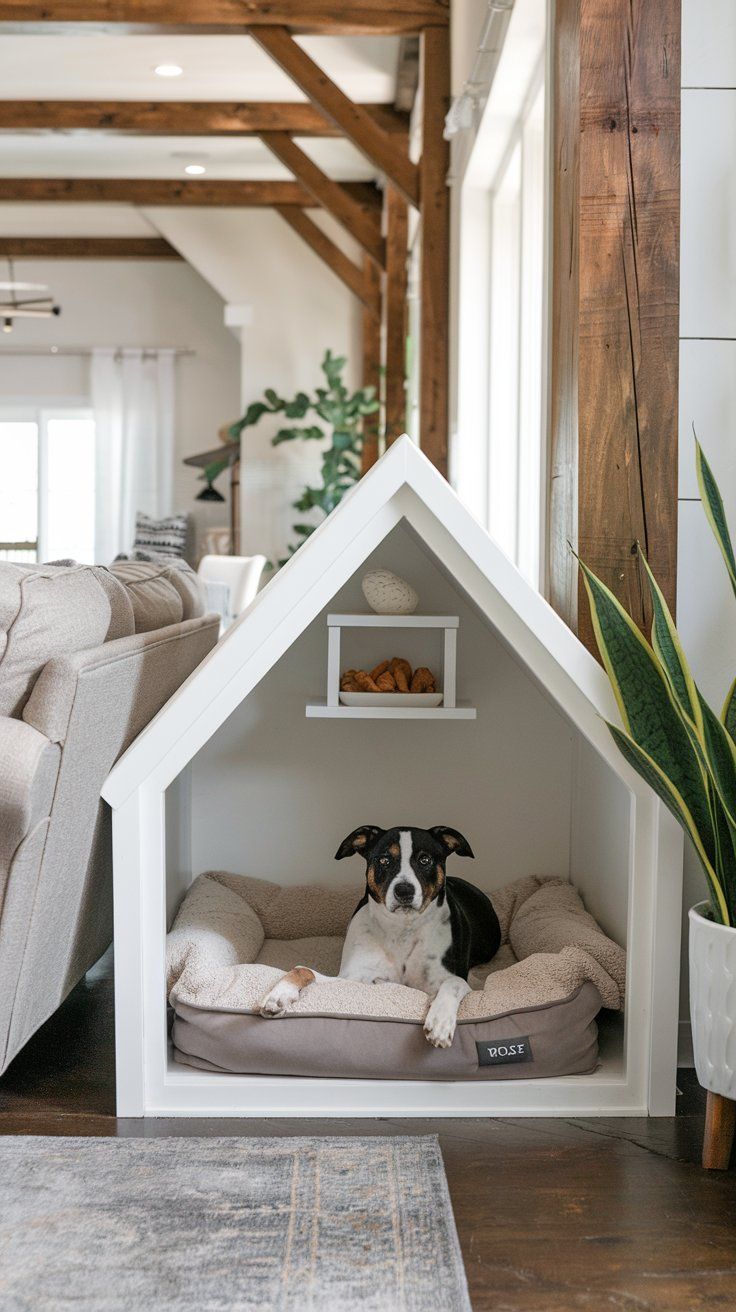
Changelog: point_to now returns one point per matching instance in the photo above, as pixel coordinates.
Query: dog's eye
(383, 861)
(425, 860)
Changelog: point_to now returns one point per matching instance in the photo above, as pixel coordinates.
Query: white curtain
(133, 403)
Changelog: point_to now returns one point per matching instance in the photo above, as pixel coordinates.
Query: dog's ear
(361, 840)
(451, 840)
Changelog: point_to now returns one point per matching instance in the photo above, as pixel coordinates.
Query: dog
(414, 925)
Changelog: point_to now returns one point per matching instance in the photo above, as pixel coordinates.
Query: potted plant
(687, 753)
(343, 411)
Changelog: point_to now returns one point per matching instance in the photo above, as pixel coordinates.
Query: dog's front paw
(439, 1024)
(281, 997)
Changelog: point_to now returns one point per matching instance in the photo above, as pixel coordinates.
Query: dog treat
(379, 670)
(389, 676)
(401, 671)
(422, 680)
(347, 681)
(365, 682)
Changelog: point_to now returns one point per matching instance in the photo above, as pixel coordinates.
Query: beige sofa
(87, 657)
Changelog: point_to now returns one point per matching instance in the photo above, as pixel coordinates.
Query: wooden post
(371, 323)
(563, 398)
(435, 250)
(615, 301)
(235, 507)
(394, 313)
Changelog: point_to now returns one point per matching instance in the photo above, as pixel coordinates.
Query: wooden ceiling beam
(185, 118)
(328, 251)
(364, 197)
(87, 248)
(336, 17)
(332, 196)
(387, 155)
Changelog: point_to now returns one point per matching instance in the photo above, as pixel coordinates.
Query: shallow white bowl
(391, 698)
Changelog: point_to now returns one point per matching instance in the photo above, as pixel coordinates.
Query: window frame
(523, 70)
(41, 413)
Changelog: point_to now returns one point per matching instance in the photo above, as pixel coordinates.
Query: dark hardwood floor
(553, 1215)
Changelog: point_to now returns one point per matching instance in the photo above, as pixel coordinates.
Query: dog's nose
(404, 892)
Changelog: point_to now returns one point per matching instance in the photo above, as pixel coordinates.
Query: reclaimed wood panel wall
(615, 300)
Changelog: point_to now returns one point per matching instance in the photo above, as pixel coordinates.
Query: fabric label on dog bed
(501, 1051)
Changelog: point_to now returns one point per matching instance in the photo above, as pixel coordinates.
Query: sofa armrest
(143, 670)
(29, 765)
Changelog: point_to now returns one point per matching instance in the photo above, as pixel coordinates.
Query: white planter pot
(713, 1002)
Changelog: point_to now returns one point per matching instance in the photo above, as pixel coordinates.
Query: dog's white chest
(403, 949)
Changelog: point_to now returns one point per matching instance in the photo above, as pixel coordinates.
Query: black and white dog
(413, 925)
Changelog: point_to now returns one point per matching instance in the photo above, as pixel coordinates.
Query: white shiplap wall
(706, 608)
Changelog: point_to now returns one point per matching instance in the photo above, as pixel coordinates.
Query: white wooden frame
(480, 154)
(638, 1079)
(332, 709)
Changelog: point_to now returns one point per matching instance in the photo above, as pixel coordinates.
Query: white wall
(274, 793)
(133, 303)
(706, 608)
(299, 310)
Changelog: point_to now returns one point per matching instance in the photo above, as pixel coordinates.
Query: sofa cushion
(160, 594)
(52, 610)
(168, 536)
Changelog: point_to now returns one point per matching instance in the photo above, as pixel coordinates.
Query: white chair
(231, 583)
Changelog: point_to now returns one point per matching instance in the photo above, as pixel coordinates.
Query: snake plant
(670, 735)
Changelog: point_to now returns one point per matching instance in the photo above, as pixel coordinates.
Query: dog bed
(531, 1012)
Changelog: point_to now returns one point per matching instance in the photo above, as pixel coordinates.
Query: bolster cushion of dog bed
(234, 936)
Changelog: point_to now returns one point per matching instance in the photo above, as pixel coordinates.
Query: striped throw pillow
(167, 536)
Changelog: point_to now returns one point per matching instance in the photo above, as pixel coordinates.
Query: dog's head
(405, 868)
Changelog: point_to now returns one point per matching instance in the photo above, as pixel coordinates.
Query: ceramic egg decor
(388, 594)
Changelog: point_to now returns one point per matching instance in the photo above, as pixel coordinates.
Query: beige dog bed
(531, 1013)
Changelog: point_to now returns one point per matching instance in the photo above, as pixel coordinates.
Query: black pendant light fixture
(209, 493)
(16, 304)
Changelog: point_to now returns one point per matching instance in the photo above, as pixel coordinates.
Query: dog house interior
(274, 790)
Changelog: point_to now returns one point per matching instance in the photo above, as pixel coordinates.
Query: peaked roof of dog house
(402, 485)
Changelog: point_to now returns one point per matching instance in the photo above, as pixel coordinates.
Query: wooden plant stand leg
(720, 1120)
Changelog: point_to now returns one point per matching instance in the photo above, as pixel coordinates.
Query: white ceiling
(104, 67)
(92, 67)
(49, 155)
(49, 220)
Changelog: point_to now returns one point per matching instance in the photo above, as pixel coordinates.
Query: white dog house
(253, 768)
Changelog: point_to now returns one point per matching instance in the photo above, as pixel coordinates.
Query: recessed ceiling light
(195, 170)
(168, 70)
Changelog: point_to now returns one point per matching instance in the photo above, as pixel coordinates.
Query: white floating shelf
(372, 621)
(319, 710)
(330, 707)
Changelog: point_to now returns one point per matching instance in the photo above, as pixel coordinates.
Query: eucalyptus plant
(670, 735)
(342, 411)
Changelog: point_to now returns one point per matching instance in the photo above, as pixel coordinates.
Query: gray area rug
(226, 1225)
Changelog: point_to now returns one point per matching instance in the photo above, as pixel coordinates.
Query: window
(47, 495)
(503, 364)
(515, 411)
(499, 466)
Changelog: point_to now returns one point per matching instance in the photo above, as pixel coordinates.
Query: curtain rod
(465, 107)
(55, 351)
